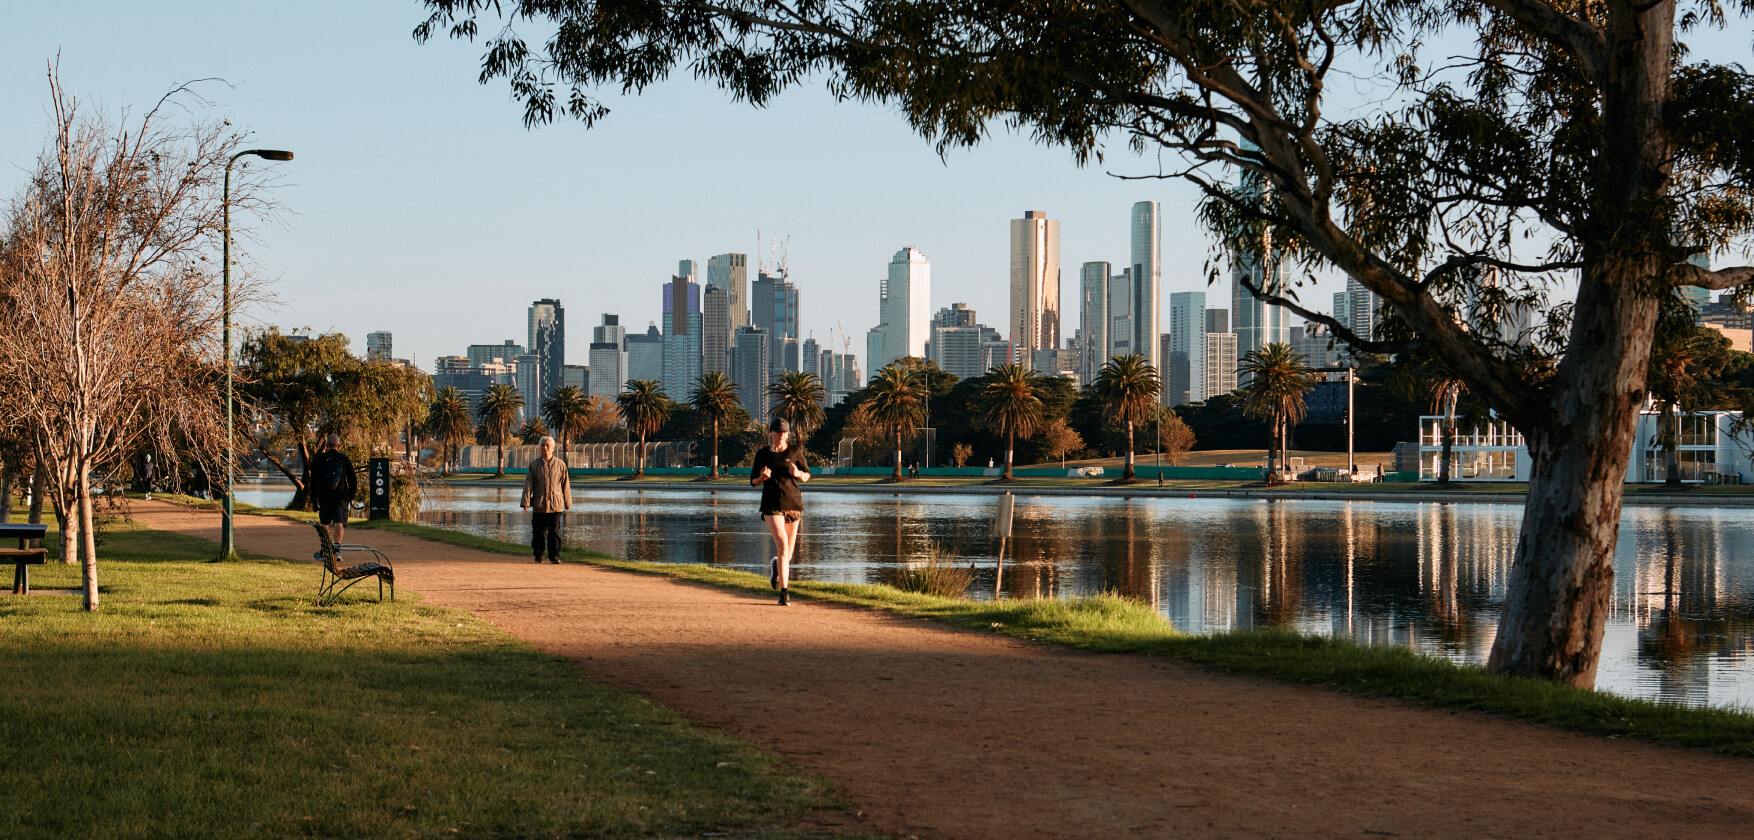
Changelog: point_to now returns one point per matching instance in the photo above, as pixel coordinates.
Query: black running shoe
(554, 559)
(785, 597)
(538, 558)
(773, 577)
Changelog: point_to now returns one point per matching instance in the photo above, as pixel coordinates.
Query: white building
(1220, 363)
(1035, 285)
(1147, 281)
(904, 310)
(1708, 450)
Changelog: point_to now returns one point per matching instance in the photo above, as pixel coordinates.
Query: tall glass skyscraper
(682, 331)
(1186, 379)
(1093, 324)
(904, 305)
(730, 274)
(1147, 281)
(1035, 285)
(1255, 323)
(547, 327)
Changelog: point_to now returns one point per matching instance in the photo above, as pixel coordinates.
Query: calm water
(1423, 575)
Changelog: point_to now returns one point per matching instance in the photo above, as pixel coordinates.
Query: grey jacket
(547, 488)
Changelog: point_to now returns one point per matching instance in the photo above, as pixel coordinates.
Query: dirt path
(942, 733)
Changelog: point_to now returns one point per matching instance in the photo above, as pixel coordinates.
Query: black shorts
(790, 515)
(333, 512)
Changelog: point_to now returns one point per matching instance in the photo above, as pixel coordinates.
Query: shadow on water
(1429, 576)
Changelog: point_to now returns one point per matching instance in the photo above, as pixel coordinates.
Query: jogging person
(547, 496)
(332, 486)
(778, 469)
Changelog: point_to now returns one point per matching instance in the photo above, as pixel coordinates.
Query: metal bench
(23, 557)
(338, 579)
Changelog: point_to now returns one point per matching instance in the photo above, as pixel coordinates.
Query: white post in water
(1002, 530)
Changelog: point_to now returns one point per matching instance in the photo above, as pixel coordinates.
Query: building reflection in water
(1428, 576)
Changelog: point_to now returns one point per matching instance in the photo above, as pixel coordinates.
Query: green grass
(212, 699)
(1112, 624)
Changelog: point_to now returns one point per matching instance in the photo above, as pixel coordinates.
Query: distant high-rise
(1217, 320)
(1220, 363)
(1255, 323)
(1187, 347)
(729, 273)
(608, 357)
(645, 354)
(904, 309)
(1120, 315)
(1359, 309)
(1147, 280)
(955, 315)
(682, 331)
(810, 356)
(547, 325)
(481, 355)
(1092, 319)
(749, 371)
(1035, 285)
(774, 310)
(528, 380)
(377, 346)
(958, 350)
(715, 331)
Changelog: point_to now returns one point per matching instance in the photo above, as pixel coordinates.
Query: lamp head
(272, 154)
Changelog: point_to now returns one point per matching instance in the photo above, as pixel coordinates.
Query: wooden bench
(338, 578)
(23, 557)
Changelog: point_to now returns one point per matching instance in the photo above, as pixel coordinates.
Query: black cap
(779, 424)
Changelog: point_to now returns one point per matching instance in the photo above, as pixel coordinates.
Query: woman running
(779, 468)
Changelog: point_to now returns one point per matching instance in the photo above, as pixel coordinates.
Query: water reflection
(1425, 576)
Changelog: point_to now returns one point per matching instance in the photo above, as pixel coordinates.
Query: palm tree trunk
(1273, 450)
(1127, 474)
(714, 472)
(499, 444)
(1010, 447)
(639, 464)
(896, 476)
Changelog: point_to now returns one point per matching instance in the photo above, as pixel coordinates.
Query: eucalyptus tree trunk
(1672, 457)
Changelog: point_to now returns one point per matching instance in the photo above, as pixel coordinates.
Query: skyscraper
(528, 380)
(905, 307)
(377, 346)
(1147, 280)
(547, 325)
(1035, 285)
(481, 355)
(1092, 319)
(749, 371)
(608, 357)
(1120, 315)
(730, 273)
(1187, 347)
(1220, 363)
(682, 331)
(715, 331)
(1217, 320)
(1255, 323)
(645, 354)
(774, 310)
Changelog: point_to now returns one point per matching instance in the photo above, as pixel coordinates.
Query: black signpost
(380, 488)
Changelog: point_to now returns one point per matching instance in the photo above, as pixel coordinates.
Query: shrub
(937, 575)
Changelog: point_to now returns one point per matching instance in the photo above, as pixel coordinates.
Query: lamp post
(227, 545)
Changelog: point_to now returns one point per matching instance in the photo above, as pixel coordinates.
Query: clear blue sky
(419, 204)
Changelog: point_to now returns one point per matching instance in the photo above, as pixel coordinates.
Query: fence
(664, 454)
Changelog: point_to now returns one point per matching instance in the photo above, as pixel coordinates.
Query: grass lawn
(211, 699)
(1110, 624)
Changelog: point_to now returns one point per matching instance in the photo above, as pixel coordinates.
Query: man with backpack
(332, 486)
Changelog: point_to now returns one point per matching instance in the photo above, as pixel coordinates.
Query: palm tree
(644, 409)
(1685, 361)
(1278, 379)
(1128, 387)
(1010, 407)
(716, 399)
(498, 409)
(532, 432)
(568, 412)
(798, 397)
(895, 402)
(447, 419)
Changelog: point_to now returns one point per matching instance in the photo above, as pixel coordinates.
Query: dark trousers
(545, 530)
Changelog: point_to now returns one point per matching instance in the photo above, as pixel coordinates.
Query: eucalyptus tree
(568, 412)
(1506, 156)
(1278, 379)
(715, 398)
(1128, 387)
(1009, 406)
(798, 397)
(498, 410)
(644, 408)
(448, 421)
(895, 405)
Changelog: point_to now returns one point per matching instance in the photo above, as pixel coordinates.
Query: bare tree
(111, 309)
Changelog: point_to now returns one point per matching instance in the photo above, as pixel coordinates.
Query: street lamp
(227, 545)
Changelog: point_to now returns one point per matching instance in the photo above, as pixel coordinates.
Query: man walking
(547, 496)
(332, 487)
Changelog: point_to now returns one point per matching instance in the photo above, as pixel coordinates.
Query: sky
(419, 204)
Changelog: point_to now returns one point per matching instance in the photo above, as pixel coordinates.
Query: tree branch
(1705, 278)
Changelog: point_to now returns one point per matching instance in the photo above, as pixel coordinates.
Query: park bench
(23, 557)
(338, 578)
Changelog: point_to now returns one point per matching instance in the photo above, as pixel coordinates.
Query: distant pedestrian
(547, 496)
(333, 485)
(148, 475)
(778, 469)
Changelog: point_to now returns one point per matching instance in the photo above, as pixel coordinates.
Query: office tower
(715, 331)
(1147, 280)
(1217, 320)
(689, 269)
(527, 378)
(1255, 323)
(645, 354)
(1359, 309)
(1120, 315)
(957, 350)
(608, 357)
(904, 313)
(1056, 363)
(1092, 319)
(682, 331)
(730, 274)
(749, 371)
(450, 364)
(377, 346)
(547, 327)
(996, 352)
(774, 310)
(1035, 285)
(1187, 345)
(1220, 363)
(954, 315)
(810, 356)
(577, 376)
(485, 354)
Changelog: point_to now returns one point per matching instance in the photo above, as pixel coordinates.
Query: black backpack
(332, 475)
